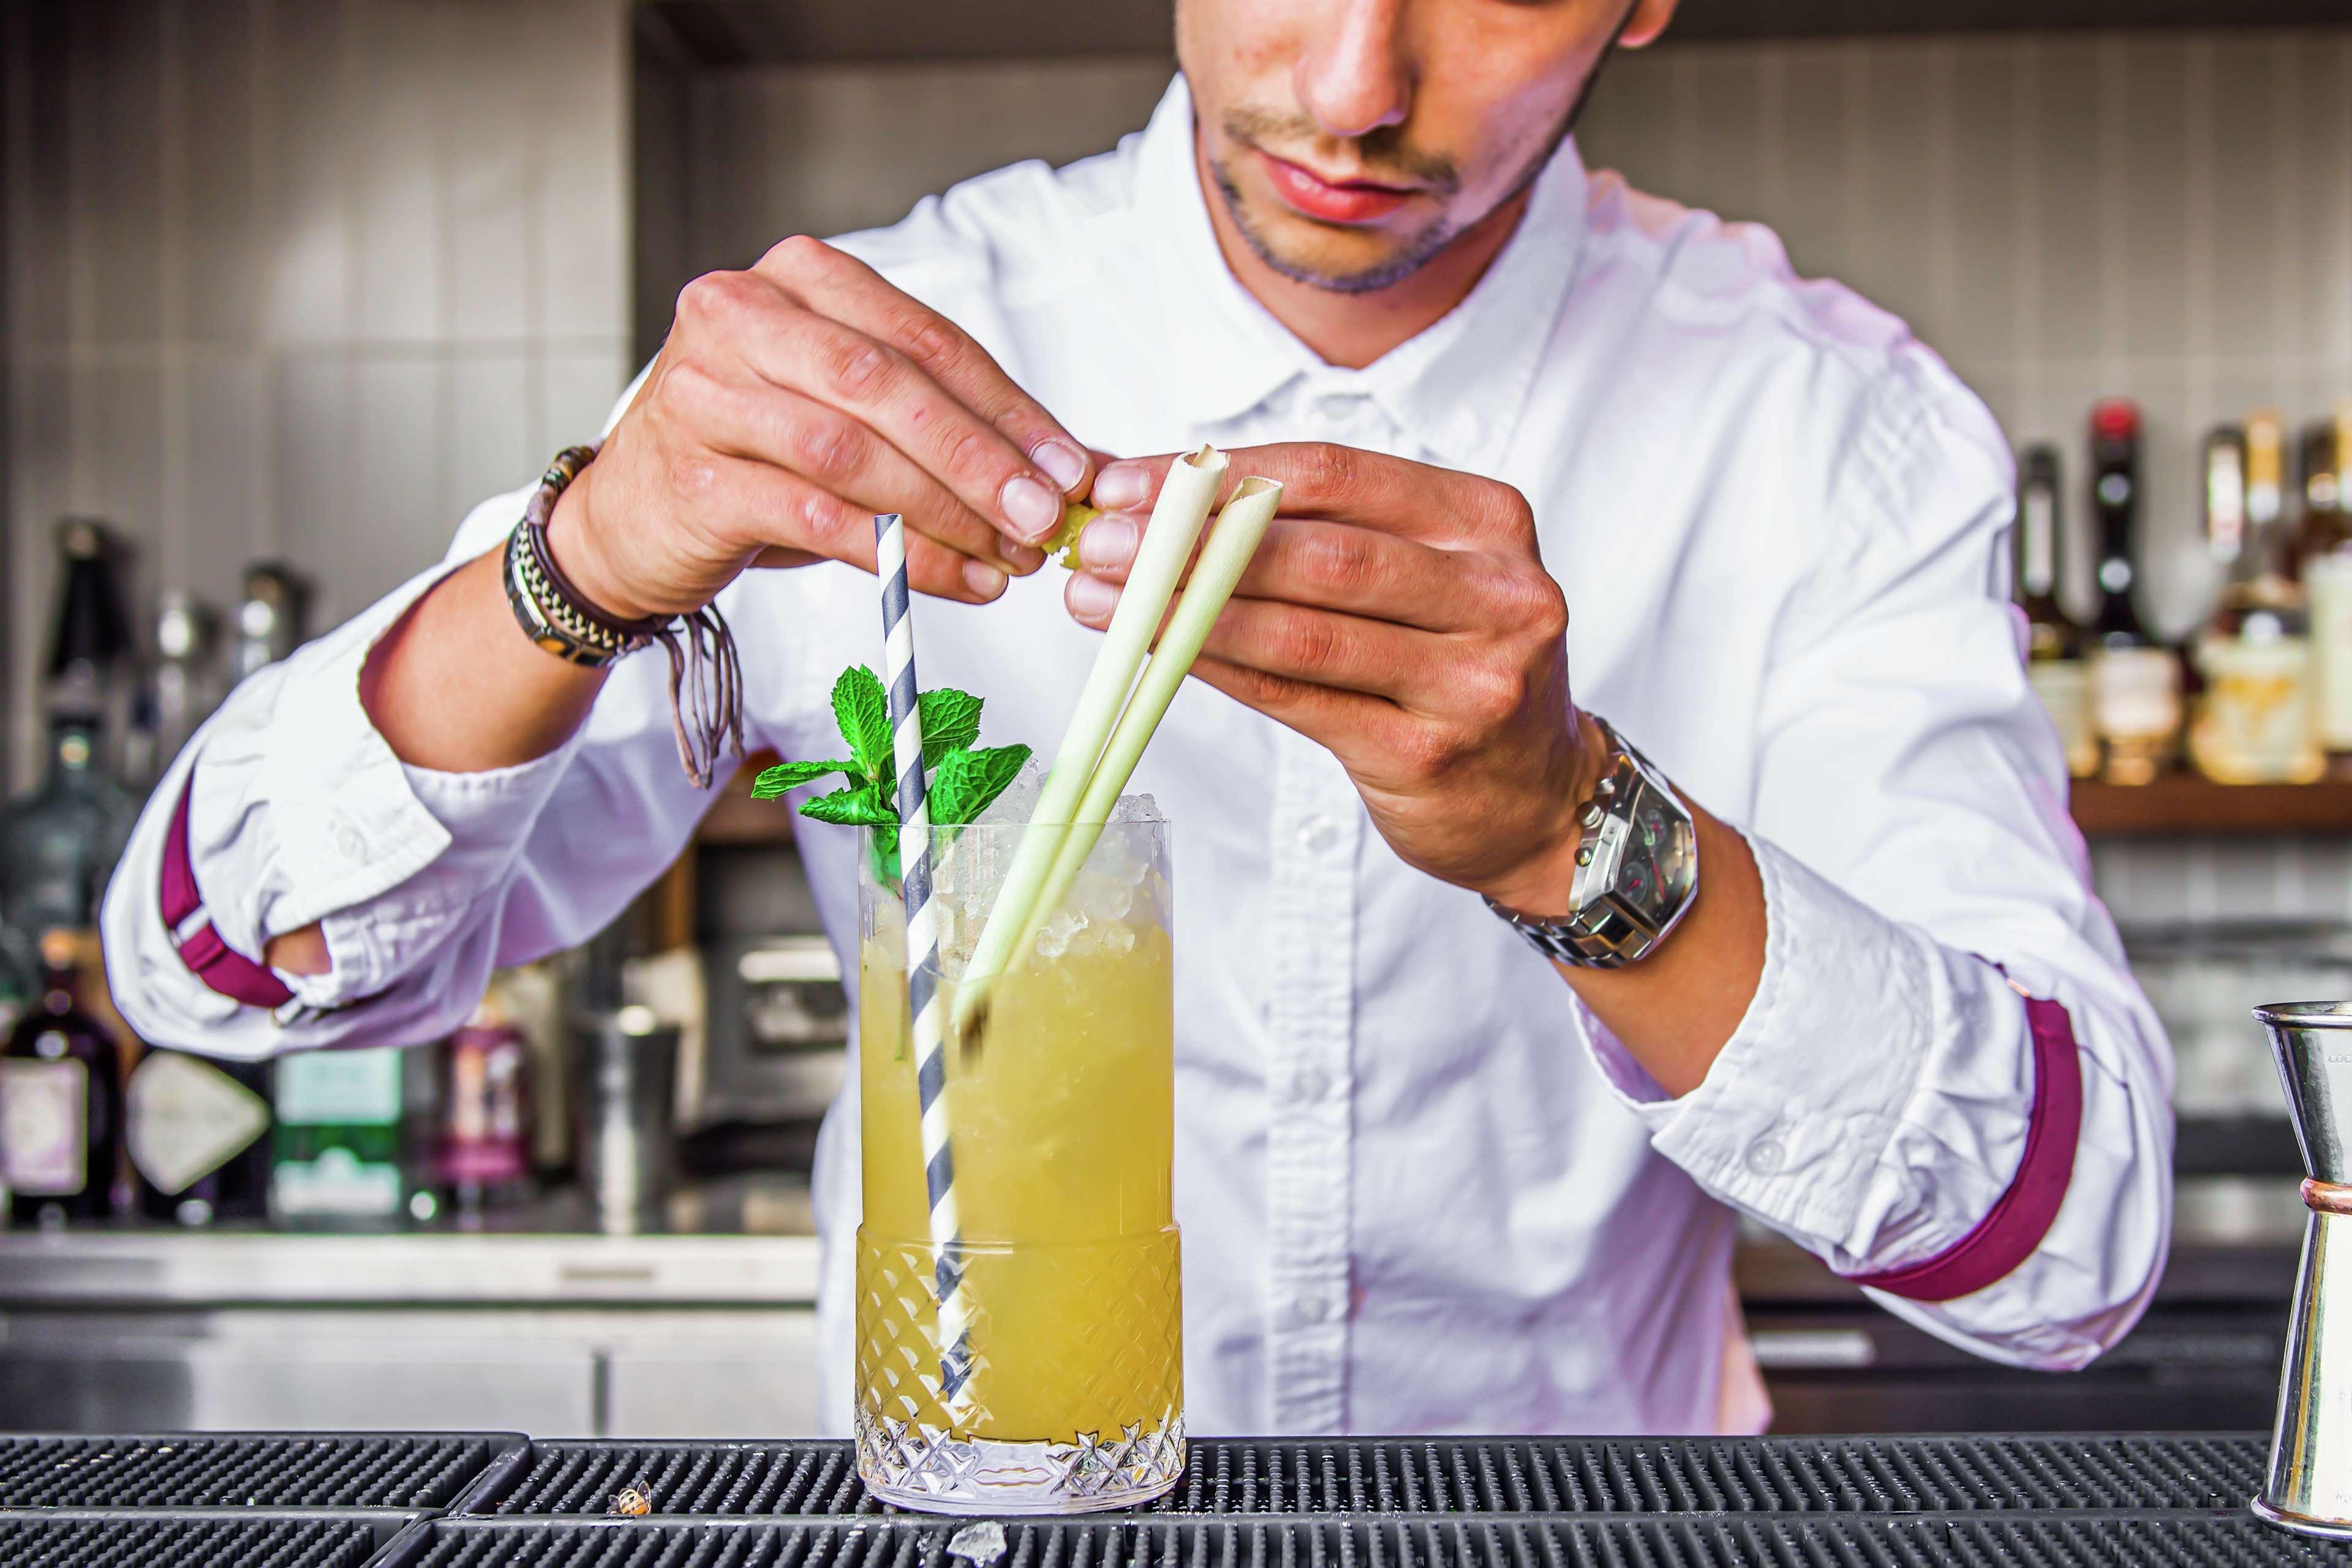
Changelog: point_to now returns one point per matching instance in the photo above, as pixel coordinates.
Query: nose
(1354, 76)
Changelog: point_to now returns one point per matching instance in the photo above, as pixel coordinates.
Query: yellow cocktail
(1061, 1125)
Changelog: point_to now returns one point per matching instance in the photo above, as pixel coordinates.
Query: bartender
(1601, 529)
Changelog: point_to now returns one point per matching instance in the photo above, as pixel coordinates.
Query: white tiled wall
(299, 277)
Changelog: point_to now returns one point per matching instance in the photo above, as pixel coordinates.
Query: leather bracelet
(553, 614)
(705, 674)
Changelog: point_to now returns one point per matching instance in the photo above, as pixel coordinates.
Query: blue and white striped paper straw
(929, 1018)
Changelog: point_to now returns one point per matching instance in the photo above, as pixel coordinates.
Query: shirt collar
(1458, 388)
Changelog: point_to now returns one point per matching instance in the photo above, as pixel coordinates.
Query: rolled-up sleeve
(1947, 1085)
(298, 812)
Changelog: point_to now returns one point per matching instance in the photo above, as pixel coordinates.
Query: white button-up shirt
(1422, 1189)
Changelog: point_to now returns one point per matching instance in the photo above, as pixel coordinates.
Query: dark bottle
(2055, 643)
(61, 1102)
(59, 843)
(2135, 679)
(198, 1133)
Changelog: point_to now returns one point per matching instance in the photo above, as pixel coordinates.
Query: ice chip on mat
(977, 1545)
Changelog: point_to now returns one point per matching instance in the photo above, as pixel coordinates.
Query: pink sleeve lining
(200, 947)
(2018, 1221)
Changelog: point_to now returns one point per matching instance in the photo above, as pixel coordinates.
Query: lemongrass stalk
(1231, 542)
(1185, 497)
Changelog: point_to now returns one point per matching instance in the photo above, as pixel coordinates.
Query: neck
(1353, 329)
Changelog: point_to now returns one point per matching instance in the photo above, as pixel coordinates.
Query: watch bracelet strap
(706, 671)
(1595, 934)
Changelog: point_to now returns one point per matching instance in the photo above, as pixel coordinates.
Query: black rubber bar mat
(2034, 1540)
(115, 1538)
(246, 1469)
(1452, 1476)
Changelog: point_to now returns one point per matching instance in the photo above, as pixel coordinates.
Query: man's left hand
(1400, 614)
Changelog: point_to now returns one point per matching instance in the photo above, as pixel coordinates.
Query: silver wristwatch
(1636, 870)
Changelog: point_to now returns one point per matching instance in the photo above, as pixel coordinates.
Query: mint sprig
(964, 777)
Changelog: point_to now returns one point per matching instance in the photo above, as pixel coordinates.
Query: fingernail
(1090, 598)
(1062, 463)
(1032, 509)
(983, 579)
(1108, 542)
(1023, 558)
(1122, 485)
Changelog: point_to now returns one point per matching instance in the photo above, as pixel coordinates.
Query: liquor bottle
(270, 618)
(484, 1157)
(59, 843)
(181, 689)
(2254, 723)
(198, 1138)
(337, 1154)
(2324, 543)
(61, 1102)
(2055, 643)
(2135, 678)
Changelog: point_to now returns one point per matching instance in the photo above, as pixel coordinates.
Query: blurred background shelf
(2181, 804)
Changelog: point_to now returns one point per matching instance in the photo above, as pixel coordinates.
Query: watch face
(1661, 858)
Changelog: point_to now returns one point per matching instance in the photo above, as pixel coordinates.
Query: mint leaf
(773, 781)
(860, 805)
(863, 711)
(951, 723)
(966, 781)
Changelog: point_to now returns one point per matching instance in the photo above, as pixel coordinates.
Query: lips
(1351, 201)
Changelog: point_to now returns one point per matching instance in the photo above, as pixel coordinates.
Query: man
(1428, 1179)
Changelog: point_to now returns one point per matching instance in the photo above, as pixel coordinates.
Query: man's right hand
(791, 403)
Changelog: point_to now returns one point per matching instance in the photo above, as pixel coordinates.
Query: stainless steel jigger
(2309, 1488)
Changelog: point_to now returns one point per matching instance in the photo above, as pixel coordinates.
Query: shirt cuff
(1797, 1111)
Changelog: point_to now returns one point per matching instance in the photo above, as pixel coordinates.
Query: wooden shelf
(2178, 805)
(2182, 806)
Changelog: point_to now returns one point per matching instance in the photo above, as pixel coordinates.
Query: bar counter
(500, 1500)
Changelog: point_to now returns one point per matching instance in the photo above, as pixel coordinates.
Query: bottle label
(2065, 686)
(185, 1119)
(336, 1183)
(2328, 581)
(2254, 723)
(45, 1127)
(2136, 694)
(340, 1088)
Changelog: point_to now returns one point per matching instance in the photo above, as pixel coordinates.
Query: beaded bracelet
(556, 616)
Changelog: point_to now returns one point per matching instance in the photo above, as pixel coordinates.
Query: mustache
(1382, 153)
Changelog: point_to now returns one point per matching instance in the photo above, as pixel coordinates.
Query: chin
(1327, 256)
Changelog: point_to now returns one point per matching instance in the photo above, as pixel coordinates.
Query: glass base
(922, 1468)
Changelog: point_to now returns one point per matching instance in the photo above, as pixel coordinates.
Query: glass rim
(1115, 826)
(2306, 1014)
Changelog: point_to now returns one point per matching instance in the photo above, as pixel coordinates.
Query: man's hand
(1400, 614)
(791, 403)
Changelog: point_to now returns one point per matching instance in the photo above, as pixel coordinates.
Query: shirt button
(1311, 1084)
(1767, 1155)
(1318, 832)
(349, 842)
(1309, 1308)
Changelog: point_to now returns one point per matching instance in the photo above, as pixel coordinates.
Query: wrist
(1543, 883)
(573, 539)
